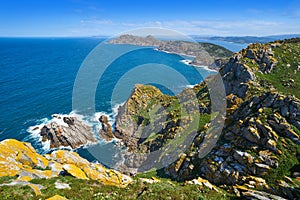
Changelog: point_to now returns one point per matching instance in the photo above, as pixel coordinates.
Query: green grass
(216, 50)
(287, 53)
(204, 119)
(286, 161)
(6, 179)
(86, 189)
(294, 128)
(16, 192)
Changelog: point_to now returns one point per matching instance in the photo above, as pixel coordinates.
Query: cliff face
(20, 160)
(259, 147)
(150, 120)
(205, 54)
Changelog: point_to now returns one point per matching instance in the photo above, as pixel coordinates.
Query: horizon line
(107, 36)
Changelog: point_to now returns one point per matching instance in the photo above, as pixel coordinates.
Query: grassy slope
(216, 50)
(83, 189)
(287, 54)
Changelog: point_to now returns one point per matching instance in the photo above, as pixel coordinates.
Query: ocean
(37, 79)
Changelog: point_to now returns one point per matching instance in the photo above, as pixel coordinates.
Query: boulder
(251, 134)
(259, 195)
(74, 171)
(203, 183)
(243, 158)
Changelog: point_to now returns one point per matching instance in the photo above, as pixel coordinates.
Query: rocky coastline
(204, 54)
(257, 155)
(259, 148)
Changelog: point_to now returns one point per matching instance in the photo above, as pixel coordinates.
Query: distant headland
(204, 54)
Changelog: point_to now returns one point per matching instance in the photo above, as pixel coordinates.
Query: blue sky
(92, 17)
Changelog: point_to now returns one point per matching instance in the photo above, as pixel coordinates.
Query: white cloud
(96, 22)
(197, 27)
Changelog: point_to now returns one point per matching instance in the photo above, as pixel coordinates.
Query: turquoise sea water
(37, 77)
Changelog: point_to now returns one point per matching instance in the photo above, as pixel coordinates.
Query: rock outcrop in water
(68, 132)
(106, 130)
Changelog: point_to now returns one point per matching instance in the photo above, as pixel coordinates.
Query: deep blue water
(36, 80)
(37, 77)
(234, 47)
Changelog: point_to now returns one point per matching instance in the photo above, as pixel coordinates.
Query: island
(204, 54)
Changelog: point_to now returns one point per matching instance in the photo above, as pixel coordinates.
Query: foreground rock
(67, 132)
(254, 194)
(21, 160)
(57, 197)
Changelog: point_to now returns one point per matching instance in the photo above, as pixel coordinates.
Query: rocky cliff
(259, 148)
(205, 54)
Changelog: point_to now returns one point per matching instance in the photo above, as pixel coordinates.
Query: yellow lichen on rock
(91, 170)
(68, 157)
(22, 152)
(9, 169)
(35, 188)
(107, 176)
(57, 197)
(20, 159)
(203, 183)
(29, 174)
(15, 155)
(75, 171)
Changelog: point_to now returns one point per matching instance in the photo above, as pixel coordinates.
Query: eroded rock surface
(106, 129)
(67, 131)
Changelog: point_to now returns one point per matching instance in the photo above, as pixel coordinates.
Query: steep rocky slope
(259, 147)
